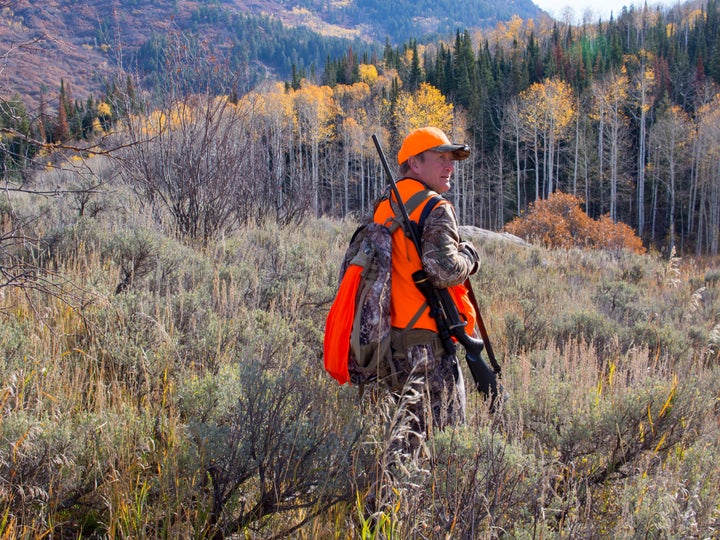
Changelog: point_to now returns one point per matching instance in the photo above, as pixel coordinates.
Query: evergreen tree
(464, 73)
(88, 119)
(714, 63)
(61, 132)
(415, 76)
(534, 63)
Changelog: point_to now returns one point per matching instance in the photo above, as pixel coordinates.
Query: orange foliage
(560, 222)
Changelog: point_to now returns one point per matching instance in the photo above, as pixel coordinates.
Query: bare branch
(94, 149)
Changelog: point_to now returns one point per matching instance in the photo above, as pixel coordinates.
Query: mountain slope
(86, 42)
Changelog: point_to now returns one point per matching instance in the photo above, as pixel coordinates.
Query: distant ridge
(85, 43)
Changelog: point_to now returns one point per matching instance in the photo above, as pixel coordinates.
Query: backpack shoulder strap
(429, 207)
(413, 203)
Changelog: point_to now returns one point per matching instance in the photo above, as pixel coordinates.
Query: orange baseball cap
(430, 138)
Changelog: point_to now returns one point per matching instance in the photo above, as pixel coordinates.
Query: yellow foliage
(548, 106)
(514, 28)
(315, 108)
(368, 73)
(181, 115)
(610, 96)
(351, 125)
(156, 123)
(425, 107)
(276, 104)
(408, 56)
(353, 93)
(351, 100)
(103, 109)
(505, 34)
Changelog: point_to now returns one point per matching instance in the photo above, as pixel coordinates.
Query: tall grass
(191, 401)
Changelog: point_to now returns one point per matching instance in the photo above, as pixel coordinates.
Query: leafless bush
(191, 160)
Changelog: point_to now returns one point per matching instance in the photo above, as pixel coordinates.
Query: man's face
(434, 168)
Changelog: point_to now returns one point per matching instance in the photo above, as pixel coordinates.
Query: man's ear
(412, 161)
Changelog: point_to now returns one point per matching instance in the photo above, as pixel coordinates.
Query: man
(427, 160)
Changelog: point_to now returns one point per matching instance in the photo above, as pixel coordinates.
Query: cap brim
(459, 151)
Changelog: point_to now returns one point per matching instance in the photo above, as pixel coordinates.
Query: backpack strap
(411, 205)
(429, 207)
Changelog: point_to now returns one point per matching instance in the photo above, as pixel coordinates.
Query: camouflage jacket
(444, 261)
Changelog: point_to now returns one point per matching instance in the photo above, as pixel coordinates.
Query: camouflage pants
(420, 363)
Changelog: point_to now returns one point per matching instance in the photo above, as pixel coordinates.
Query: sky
(599, 8)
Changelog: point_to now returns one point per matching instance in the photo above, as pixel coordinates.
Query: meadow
(152, 388)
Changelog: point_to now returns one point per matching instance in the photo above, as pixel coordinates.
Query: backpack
(356, 346)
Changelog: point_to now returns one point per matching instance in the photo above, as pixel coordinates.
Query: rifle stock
(444, 311)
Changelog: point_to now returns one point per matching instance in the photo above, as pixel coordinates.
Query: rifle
(445, 313)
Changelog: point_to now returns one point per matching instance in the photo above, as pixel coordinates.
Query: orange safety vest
(406, 300)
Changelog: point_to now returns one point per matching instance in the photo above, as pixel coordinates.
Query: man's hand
(471, 253)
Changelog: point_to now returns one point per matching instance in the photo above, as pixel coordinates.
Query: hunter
(427, 161)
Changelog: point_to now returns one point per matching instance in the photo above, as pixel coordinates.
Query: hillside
(85, 43)
(199, 393)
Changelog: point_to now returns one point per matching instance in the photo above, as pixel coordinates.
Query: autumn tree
(355, 106)
(704, 195)
(513, 120)
(315, 116)
(641, 77)
(546, 110)
(280, 192)
(610, 99)
(426, 107)
(560, 222)
(670, 140)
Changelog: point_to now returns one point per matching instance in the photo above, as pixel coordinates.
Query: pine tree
(61, 132)
(415, 78)
(464, 72)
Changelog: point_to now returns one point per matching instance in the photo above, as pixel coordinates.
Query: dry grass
(194, 403)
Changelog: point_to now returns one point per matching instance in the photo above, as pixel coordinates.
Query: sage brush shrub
(620, 300)
(610, 427)
(587, 325)
(712, 278)
(483, 483)
(663, 340)
(269, 445)
(194, 404)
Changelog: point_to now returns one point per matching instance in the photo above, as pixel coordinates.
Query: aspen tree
(670, 138)
(426, 107)
(315, 115)
(642, 78)
(546, 111)
(611, 97)
(706, 165)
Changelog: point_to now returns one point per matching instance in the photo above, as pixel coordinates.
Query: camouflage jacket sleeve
(444, 262)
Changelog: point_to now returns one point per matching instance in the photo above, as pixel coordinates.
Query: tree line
(621, 114)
